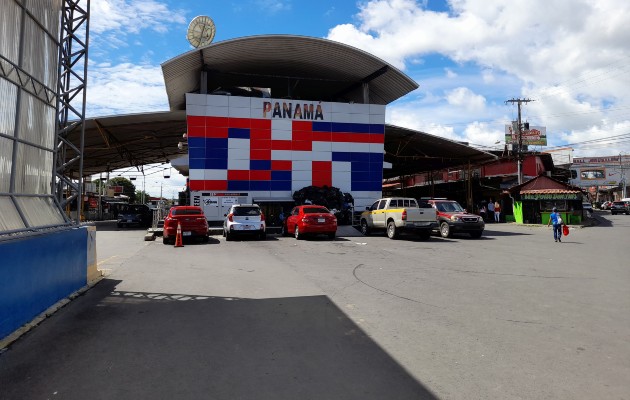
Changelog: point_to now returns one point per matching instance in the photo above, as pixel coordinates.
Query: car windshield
(246, 211)
(315, 210)
(134, 209)
(186, 211)
(449, 207)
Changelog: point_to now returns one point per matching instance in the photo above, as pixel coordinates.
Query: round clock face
(201, 31)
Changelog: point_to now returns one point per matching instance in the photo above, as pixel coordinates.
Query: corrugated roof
(412, 151)
(292, 66)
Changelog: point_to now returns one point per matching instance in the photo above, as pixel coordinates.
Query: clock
(201, 31)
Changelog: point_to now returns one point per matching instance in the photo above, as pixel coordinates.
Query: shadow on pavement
(126, 345)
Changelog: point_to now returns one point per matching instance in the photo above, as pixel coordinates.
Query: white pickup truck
(396, 215)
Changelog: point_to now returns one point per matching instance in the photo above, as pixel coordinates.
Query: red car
(310, 220)
(193, 221)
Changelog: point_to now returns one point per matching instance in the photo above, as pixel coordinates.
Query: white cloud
(126, 16)
(569, 56)
(125, 89)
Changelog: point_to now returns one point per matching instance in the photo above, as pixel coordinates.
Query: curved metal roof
(297, 67)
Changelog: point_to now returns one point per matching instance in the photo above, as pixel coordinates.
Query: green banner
(551, 196)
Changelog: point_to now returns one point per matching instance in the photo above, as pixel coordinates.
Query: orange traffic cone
(178, 237)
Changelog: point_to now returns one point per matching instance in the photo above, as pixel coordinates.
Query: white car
(244, 220)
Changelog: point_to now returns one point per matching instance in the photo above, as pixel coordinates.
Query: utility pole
(519, 151)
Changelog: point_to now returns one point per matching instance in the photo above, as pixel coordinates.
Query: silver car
(244, 220)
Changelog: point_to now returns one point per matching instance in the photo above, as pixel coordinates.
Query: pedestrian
(497, 211)
(556, 220)
(482, 211)
(490, 209)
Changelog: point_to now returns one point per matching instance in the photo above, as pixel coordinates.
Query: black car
(620, 207)
(135, 214)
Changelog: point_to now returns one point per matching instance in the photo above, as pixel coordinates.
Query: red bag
(565, 230)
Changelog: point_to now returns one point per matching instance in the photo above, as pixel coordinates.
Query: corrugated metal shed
(296, 67)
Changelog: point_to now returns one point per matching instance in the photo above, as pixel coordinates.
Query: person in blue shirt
(556, 221)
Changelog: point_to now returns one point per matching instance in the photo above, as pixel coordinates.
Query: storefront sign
(551, 196)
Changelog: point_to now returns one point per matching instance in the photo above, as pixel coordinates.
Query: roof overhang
(412, 151)
(296, 67)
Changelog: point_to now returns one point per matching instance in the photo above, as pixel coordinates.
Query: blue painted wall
(38, 271)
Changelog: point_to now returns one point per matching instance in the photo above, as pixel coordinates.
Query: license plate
(186, 233)
(130, 220)
(321, 220)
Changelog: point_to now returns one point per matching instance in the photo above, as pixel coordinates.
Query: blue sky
(468, 56)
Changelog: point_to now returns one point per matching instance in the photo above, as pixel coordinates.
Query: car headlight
(454, 218)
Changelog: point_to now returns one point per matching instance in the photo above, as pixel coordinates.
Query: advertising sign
(534, 136)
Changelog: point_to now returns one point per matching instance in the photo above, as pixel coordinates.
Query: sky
(571, 57)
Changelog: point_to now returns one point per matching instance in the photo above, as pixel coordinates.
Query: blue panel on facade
(259, 185)
(377, 128)
(280, 185)
(238, 185)
(216, 153)
(197, 163)
(362, 157)
(216, 163)
(322, 126)
(196, 142)
(260, 165)
(360, 176)
(350, 127)
(376, 167)
(238, 133)
(32, 281)
(217, 143)
(341, 156)
(360, 166)
(196, 152)
(376, 158)
(281, 175)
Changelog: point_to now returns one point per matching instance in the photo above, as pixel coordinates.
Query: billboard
(267, 147)
(534, 136)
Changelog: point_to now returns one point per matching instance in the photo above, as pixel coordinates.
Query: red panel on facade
(222, 122)
(195, 185)
(302, 146)
(303, 135)
(260, 134)
(255, 175)
(196, 131)
(281, 165)
(240, 123)
(192, 120)
(214, 132)
(302, 126)
(238, 175)
(260, 154)
(321, 136)
(261, 124)
(213, 185)
(281, 145)
(260, 144)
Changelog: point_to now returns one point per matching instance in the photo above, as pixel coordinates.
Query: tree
(141, 194)
(129, 189)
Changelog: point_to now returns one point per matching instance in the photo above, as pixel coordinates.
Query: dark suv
(453, 218)
(135, 214)
(620, 207)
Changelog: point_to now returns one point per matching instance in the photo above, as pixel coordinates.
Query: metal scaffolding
(73, 63)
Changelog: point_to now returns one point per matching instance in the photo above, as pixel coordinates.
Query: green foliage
(129, 189)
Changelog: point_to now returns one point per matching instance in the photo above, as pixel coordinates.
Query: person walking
(482, 211)
(490, 209)
(497, 211)
(556, 220)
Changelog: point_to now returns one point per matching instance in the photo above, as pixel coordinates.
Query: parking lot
(512, 315)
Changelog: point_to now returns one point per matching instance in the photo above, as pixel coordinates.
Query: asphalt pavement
(512, 315)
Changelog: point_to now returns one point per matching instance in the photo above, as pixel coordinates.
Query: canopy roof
(296, 67)
(139, 139)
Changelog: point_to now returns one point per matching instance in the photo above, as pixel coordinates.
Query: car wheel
(262, 236)
(475, 235)
(445, 230)
(166, 240)
(332, 235)
(205, 239)
(297, 233)
(365, 229)
(392, 231)
(284, 231)
(425, 235)
(228, 236)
